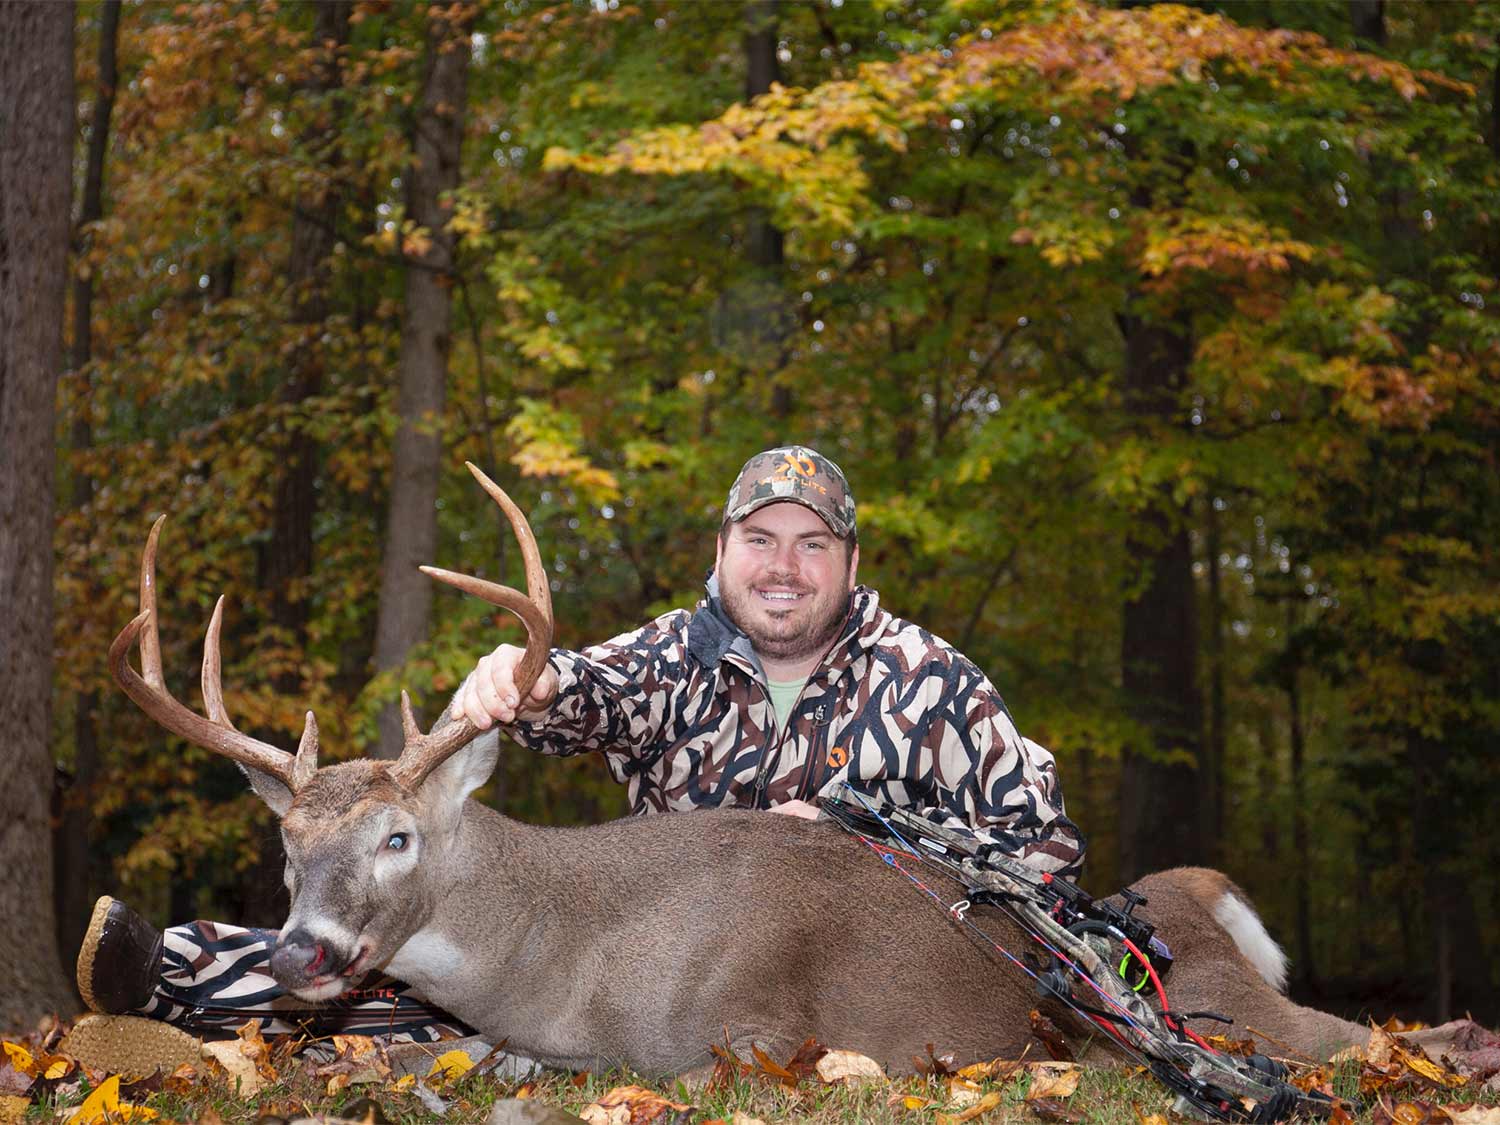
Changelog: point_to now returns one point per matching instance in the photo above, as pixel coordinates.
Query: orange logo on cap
(791, 463)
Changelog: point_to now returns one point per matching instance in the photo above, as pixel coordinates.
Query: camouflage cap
(799, 474)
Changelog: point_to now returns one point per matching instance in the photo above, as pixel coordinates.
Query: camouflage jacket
(681, 712)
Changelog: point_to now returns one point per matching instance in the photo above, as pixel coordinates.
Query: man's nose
(785, 560)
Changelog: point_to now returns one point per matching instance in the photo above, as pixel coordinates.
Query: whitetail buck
(643, 942)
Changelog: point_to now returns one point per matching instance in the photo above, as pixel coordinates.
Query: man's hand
(489, 694)
(797, 808)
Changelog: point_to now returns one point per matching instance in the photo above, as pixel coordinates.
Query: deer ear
(464, 771)
(273, 791)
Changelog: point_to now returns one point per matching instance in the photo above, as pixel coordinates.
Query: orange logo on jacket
(838, 757)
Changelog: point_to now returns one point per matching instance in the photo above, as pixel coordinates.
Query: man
(786, 680)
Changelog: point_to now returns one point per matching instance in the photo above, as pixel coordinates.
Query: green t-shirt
(783, 697)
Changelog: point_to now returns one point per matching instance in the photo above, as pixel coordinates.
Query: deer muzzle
(312, 969)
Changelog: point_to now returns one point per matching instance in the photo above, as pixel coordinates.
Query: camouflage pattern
(799, 474)
(682, 714)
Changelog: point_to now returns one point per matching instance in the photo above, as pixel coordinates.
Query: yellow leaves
(983, 1105)
(451, 1065)
(103, 1106)
(48, 1066)
(548, 441)
(1067, 242)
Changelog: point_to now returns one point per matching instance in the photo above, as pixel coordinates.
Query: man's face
(784, 579)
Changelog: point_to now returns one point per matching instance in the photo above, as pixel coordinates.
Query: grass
(1103, 1096)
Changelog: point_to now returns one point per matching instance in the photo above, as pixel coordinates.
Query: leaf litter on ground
(1403, 1085)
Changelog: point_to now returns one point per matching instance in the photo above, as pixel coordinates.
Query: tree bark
(36, 152)
(1305, 970)
(285, 562)
(411, 526)
(1160, 824)
(76, 880)
(765, 244)
(1215, 753)
(1368, 18)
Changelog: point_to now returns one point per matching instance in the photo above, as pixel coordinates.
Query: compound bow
(1101, 961)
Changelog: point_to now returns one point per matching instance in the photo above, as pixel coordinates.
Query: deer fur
(643, 942)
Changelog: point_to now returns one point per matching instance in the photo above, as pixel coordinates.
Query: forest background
(1157, 341)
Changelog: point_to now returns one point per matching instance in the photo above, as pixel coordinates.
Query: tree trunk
(1215, 753)
(1368, 18)
(36, 153)
(285, 562)
(1160, 824)
(76, 881)
(765, 245)
(1304, 969)
(411, 528)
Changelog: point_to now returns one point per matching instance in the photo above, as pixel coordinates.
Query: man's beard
(785, 639)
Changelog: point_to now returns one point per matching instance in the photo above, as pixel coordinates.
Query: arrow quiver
(1101, 961)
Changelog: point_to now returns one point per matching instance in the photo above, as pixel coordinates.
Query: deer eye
(396, 842)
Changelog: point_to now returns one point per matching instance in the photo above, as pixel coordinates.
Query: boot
(119, 962)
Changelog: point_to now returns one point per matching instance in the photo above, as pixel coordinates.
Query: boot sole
(130, 1045)
(86, 951)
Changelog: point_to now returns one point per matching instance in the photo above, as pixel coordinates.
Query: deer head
(367, 842)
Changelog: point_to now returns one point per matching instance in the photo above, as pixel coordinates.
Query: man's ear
(271, 790)
(853, 567)
(447, 787)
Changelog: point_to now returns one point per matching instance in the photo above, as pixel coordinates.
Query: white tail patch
(1244, 926)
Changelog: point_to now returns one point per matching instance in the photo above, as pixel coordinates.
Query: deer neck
(494, 881)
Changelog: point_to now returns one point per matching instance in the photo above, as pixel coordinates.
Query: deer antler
(423, 753)
(215, 731)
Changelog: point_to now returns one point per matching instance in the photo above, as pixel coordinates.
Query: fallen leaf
(983, 1105)
(181, 1081)
(1143, 1118)
(404, 1083)
(935, 1065)
(1053, 1083)
(632, 1105)
(962, 1093)
(20, 1058)
(242, 1071)
(848, 1066)
(909, 1101)
(1050, 1037)
(1000, 1070)
(744, 1119)
(104, 1105)
(450, 1065)
(1049, 1110)
(1473, 1114)
(772, 1067)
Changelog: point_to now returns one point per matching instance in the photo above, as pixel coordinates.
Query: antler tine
(149, 692)
(423, 753)
(306, 762)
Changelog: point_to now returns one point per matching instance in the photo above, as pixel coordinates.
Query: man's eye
(397, 841)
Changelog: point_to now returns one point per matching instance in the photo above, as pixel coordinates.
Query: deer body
(644, 942)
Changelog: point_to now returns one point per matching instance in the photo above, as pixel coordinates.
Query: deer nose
(297, 958)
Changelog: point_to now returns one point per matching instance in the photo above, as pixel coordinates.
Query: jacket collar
(711, 636)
